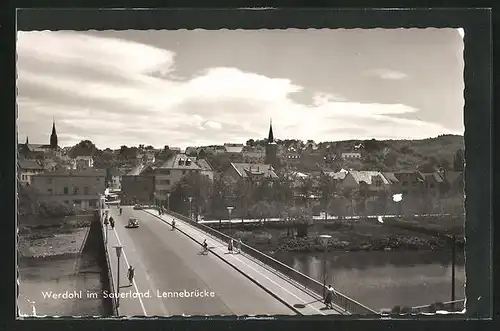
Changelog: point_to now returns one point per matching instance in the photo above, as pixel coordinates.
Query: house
(175, 149)
(83, 162)
(351, 155)
(206, 168)
(233, 148)
(80, 188)
(29, 168)
(433, 183)
(168, 174)
(252, 173)
(138, 185)
(411, 182)
(115, 179)
(394, 186)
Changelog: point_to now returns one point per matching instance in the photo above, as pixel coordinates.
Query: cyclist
(205, 246)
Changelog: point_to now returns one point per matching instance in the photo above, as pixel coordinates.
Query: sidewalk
(127, 306)
(292, 293)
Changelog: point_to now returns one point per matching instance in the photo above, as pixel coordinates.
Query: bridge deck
(288, 290)
(168, 261)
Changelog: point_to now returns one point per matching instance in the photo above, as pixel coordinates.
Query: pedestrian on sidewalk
(329, 297)
(239, 245)
(112, 222)
(121, 210)
(130, 274)
(230, 246)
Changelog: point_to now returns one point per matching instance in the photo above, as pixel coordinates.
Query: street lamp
(324, 240)
(119, 249)
(229, 211)
(168, 200)
(190, 208)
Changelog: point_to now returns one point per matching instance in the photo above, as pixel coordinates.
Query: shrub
(48, 209)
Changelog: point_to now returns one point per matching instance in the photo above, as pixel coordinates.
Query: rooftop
(246, 170)
(366, 176)
(75, 173)
(30, 165)
(180, 161)
(204, 164)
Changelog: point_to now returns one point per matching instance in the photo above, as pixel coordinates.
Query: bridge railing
(350, 305)
(451, 306)
(108, 262)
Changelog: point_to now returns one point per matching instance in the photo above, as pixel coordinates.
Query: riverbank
(61, 255)
(356, 235)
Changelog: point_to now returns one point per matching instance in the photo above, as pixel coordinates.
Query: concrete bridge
(173, 278)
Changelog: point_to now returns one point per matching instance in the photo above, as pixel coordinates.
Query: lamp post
(190, 208)
(324, 240)
(168, 200)
(119, 249)
(229, 211)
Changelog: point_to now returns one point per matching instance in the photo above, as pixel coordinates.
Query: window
(167, 181)
(405, 183)
(49, 180)
(86, 190)
(49, 190)
(431, 185)
(75, 191)
(65, 190)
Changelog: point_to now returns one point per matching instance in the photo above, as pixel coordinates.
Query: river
(385, 279)
(61, 274)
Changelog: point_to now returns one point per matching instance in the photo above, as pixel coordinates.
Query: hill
(384, 155)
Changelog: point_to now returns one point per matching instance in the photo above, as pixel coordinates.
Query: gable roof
(452, 176)
(204, 164)
(247, 170)
(366, 176)
(432, 175)
(391, 178)
(233, 148)
(78, 173)
(337, 175)
(27, 164)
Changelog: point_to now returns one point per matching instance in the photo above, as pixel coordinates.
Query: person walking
(230, 246)
(329, 297)
(112, 222)
(130, 274)
(239, 245)
(121, 210)
(205, 247)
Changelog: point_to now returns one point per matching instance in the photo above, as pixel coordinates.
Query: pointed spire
(53, 125)
(27, 140)
(270, 138)
(53, 136)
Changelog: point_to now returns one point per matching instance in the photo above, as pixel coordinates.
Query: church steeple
(27, 141)
(270, 138)
(53, 136)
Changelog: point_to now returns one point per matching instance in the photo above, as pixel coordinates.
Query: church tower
(53, 136)
(271, 148)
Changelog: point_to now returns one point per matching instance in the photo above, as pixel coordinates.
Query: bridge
(173, 278)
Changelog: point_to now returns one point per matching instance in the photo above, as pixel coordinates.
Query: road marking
(162, 306)
(196, 232)
(133, 281)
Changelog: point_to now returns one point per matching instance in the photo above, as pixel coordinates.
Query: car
(132, 223)
(137, 207)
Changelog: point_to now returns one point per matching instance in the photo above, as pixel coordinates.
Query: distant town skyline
(192, 88)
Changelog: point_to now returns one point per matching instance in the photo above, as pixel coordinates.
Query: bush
(48, 209)
(396, 310)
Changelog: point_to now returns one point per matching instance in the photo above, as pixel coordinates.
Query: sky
(198, 87)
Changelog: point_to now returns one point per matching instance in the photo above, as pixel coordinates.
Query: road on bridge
(168, 261)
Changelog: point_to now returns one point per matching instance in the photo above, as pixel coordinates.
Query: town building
(351, 155)
(138, 186)
(250, 172)
(233, 148)
(83, 162)
(29, 168)
(79, 188)
(206, 168)
(411, 182)
(271, 149)
(40, 151)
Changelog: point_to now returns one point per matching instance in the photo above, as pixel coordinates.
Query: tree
(193, 185)
(83, 148)
(261, 210)
(243, 194)
(202, 154)
(250, 143)
(301, 218)
(326, 189)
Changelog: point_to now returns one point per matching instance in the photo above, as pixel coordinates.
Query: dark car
(137, 207)
(132, 223)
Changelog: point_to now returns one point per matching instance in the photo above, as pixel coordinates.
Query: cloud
(388, 74)
(117, 92)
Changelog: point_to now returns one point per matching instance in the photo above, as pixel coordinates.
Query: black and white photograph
(293, 172)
